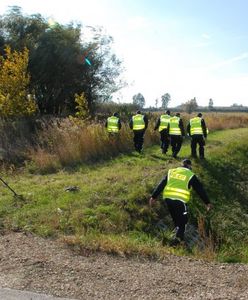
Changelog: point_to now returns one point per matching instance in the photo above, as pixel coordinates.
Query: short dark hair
(187, 162)
(168, 112)
(116, 114)
(199, 115)
(138, 112)
(178, 114)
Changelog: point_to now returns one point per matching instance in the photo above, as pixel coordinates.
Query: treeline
(46, 64)
(238, 108)
(205, 109)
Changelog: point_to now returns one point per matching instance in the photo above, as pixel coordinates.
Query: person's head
(199, 115)
(178, 114)
(167, 112)
(187, 163)
(138, 112)
(116, 114)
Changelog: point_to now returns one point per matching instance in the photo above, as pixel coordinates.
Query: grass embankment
(110, 210)
(225, 174)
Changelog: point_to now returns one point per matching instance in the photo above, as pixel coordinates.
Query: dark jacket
(203, 125)
(194, 183)
(158, 124)
(145, 120)
(119, 123)
(180, 126)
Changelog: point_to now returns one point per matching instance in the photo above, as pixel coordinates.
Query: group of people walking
(171, 129)
(176, 185)
(172, 132)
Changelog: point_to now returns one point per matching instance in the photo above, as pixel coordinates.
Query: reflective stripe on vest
(138, 122)
(174, 126)
(164, 122)
(177, 187)
(113, 125)
(195, 126)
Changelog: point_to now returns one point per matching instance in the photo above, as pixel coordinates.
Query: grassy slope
(226, 174)
(110, 211)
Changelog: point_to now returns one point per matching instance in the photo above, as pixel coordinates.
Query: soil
(28, 262)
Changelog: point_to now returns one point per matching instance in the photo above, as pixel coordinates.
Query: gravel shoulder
(28, 262)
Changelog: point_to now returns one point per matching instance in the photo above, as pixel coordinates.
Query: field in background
(48, 146)
(71, 143)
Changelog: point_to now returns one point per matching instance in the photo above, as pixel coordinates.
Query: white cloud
(228, 61)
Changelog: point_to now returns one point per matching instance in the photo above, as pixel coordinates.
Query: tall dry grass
(68, 142)
(16, 136)
(209, 250)
(220, 121)
(71, 142)
(214, 120)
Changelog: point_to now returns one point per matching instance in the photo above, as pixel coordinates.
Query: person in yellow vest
(138, 124)
(162, 126)
(113, 124)
(176, 189)
(197, 130)
(176, 133)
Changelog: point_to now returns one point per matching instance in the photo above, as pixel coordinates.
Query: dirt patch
(31, 263)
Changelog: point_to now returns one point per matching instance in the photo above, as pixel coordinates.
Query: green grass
(110, 211)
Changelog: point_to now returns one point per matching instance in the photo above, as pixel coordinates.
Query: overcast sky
(187, 48)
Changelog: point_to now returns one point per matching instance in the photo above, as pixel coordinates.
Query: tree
(165, 99)
(15, 99)
(82, 106)
(20, 31)
(139, 100)
(62, 62)
(105, 71)
(156, 102)
(190, 105)
(57, 75)
(236, 105)
(210, 104)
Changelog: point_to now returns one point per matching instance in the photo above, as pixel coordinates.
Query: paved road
(9, 294)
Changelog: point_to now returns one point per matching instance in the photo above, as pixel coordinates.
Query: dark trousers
(179, 214)
(138, 139)
(176, 144)
(197, 139)
(165, 140)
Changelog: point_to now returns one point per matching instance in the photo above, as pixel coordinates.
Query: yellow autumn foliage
(82, 106)
(15, 99)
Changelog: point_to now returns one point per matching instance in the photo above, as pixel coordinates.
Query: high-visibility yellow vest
(174, 126)
(164, 121)
(177, 187)
(195, 126)
(138, 122)
(112, 124)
